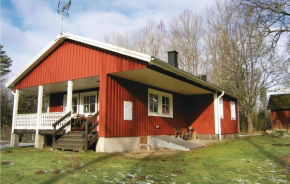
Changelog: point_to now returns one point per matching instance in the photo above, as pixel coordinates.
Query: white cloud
(38, 22)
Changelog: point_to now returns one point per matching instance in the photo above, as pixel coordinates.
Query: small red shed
(136, 95)
(280, 111)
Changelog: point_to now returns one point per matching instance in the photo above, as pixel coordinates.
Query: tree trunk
(250, 123)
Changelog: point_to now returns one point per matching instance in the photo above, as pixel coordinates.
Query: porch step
(76, 133)
(70, 147)
(73, 140)
(74, 136)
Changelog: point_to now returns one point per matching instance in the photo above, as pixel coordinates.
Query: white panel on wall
(128, 110)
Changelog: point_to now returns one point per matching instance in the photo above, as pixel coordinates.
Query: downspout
(219, 117)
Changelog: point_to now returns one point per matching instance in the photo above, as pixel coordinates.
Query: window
(83, 103)
(75, 103)
(221, 108)
(89, 104)
(233, 111)
(160, 103)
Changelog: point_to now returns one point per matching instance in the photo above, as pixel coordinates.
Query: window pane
(92, 108)
(155, 107)
(74, 101)
(86, 108)
(163, 100)
(165, 109)
(155, 98)
(74, 109)
(86, 100)
(92, 99)
(151, 107)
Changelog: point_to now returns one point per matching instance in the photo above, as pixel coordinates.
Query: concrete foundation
(117, 144)
(39, 141)
(14, 140)
(170, 142)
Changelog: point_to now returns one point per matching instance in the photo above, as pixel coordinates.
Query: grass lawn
(248, 160)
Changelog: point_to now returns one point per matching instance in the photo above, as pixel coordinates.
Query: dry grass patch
(286, 160)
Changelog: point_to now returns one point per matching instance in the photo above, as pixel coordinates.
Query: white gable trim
(60, 39)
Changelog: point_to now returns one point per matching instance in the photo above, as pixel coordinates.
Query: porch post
(39, 139)
(14, 137)
(69, 98)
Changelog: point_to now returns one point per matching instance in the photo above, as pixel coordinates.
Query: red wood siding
(229, 126)
(280, 119)
(56, 102)
(201, 113)
(73, 60)
(120, 90)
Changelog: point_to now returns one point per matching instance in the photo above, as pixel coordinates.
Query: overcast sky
(27, 26)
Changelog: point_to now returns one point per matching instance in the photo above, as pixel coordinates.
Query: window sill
(161, 115)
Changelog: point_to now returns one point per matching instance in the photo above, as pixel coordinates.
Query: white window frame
(160, 95)
(221, 108)
(82, 95)
(65, 103)
(233, 110)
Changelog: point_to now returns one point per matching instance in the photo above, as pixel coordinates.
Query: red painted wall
(120, 90)
(73, 60)
(280, 119)
(228, 125)
(201, 113)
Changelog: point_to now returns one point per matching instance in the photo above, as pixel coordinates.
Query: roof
(59, 40)
(279, 102)
(134, 54)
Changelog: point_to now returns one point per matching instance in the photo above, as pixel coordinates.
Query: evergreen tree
(6, 62)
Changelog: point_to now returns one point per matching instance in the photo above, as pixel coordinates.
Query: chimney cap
(172, 51)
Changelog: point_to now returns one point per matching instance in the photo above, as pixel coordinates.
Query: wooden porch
(60, 124)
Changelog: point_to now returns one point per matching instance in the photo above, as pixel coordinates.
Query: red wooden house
(136, 95)
(280, 111)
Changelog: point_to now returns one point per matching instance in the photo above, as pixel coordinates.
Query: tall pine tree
(6, 62)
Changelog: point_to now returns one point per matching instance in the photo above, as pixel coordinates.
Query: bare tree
(186, 33)
(241, 59)
(273, 16)
(150, 39)
(183, 35)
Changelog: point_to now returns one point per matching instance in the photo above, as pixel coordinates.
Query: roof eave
(188, 76)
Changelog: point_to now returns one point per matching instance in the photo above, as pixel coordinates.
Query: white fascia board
(58, 40)
(43, 53)
(109, 47)
(188, 76)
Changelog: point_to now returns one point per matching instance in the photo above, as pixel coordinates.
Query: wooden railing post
(62, 127)
(86, 135)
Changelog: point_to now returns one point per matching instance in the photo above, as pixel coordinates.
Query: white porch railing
(26, 121)
(29, 121)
